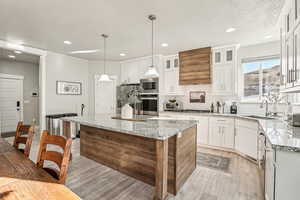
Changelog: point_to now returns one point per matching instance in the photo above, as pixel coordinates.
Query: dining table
(21, 179)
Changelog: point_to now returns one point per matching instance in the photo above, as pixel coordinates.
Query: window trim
(258, 99)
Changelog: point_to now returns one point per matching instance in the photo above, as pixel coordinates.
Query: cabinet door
(217, 57)
(229, 55)
(283, 59)
(246, 141)
(176, 62)
(296, 11)
(170, 82)
(202, 130)
(215, 137)
(297, 56)
(168, 64)
(228, 135)
(218, 83)
(223, 80)
(130, 72)
(290, 62)
(228, 79)
(124, 73)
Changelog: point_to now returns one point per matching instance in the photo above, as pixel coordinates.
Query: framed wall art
(197, 97)
(68, 88)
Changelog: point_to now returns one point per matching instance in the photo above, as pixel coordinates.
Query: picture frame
(68, 88)
(197, 97)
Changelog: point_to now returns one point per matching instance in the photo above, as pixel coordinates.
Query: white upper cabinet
(171, 76)
(133, 70)
(130, 72)
(229, 55)
(171, 62)
(290, 43)
(224, 70)
(217, 57)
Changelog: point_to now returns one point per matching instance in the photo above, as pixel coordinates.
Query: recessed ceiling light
(122, 54)
(18, 52)
(11, 56)
(164, 44)
(67, 42)
(268, 36)
(84, 51)
(229, 30)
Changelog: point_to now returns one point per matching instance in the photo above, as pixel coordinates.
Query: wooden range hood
(195, 66)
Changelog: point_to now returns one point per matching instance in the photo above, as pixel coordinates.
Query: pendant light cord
(104, 55)
(152, 43)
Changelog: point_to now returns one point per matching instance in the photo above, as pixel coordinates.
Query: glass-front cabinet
(297, 56)
(217, 57)
(171, 62)
(229, 55)
(290, 46)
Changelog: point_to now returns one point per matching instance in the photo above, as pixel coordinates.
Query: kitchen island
(156, 151)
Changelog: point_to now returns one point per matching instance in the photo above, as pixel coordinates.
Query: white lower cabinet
(221, 132)
(246, 137)
(202, 130)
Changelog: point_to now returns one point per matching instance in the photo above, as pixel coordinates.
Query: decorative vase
(127, 112)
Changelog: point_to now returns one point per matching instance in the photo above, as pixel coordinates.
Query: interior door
(105, 97)
(11, 104)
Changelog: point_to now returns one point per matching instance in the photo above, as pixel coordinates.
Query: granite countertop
(281, 136)
(151, 128)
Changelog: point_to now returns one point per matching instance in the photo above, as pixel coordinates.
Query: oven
(149, 103)
(150, 85)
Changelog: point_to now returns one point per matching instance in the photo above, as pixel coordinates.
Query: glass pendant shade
(151, 72)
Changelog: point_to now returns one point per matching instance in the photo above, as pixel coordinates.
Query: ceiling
(182, 24)
(24, 57)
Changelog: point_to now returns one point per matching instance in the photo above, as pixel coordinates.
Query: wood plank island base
(158, 152)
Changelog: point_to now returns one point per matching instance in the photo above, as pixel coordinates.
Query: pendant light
(152, 72)
(104, 77)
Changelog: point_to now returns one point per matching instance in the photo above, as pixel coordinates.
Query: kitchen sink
(259, 117)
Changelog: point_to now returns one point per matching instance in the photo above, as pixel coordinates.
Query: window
(259, 75)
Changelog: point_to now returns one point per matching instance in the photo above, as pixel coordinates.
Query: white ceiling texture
(23, 57)
(183, 24)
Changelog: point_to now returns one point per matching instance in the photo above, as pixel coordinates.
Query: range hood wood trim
(195, 66)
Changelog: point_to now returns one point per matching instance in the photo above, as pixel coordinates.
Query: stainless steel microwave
(150, 85)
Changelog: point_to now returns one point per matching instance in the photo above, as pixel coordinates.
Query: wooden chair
(20, 139)
(61, 159)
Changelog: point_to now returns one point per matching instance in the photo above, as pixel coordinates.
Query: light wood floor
(93, 181)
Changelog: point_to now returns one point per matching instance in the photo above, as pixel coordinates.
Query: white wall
(65, 68)
(30, 71)
(96, 67)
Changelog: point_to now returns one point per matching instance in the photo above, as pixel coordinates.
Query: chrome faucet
(265, 101)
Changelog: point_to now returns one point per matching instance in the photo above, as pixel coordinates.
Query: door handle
(18, 105)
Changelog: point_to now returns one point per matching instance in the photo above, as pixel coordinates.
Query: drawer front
(246, 123)
(222, 120)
